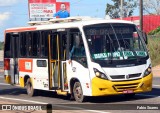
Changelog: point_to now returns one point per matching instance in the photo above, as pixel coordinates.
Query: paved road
(12, 94)
(1, 63)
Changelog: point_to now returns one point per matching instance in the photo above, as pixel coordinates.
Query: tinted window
(44, 44)
(23, 44)
(7, 51)
(77, 49)
(33, 44)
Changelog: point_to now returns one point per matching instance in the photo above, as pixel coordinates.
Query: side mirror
(144, 34)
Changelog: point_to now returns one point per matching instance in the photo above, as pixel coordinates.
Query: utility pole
(121, 9)
(141, 14)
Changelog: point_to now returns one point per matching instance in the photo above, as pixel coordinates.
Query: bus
(79, 57)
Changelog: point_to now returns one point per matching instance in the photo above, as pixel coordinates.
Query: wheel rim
(78, 92)
(29, 88)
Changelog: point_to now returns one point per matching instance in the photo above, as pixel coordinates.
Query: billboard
(45, 9)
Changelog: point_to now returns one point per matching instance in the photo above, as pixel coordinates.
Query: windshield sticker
(100, 55)
(128, 53)
(118, 54)
(107, 55)
(141, 53)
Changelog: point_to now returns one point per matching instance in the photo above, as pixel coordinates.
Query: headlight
(99, 74)
(147, 71)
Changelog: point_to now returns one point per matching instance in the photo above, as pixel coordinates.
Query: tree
(1, 45)
(151, 7)
(114, 10)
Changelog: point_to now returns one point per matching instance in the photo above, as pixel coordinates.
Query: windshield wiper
(111, 45)
(116, 38)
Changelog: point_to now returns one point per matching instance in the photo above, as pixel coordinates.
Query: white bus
(78, 57)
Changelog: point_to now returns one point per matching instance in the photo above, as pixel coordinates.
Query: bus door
(63, 48)
(54, 63)
(14, 59)
(57, 63)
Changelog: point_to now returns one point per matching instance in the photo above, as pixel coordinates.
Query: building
(150, 22)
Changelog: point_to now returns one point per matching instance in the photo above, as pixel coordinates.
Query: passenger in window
(77, 48)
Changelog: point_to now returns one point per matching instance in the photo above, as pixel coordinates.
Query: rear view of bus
(119, 59)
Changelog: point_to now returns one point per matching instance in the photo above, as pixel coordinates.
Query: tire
(129, 96)
(78, 93)
(29, 88)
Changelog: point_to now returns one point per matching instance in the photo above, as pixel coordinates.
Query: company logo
(127, 76)
(6, 107)
(74, 69)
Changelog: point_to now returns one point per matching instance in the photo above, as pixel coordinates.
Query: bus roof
(66, 25)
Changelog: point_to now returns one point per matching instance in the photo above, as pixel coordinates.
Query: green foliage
(155, 31)
(1, 45)
(113, 10)
(154, 50)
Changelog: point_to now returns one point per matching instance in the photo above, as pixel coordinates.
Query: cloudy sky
(14, 13)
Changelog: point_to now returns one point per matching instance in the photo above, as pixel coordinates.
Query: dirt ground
(156, 71)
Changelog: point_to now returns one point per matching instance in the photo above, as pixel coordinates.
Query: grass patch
(154, 49)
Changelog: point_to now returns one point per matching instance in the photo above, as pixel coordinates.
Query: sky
(14, 13)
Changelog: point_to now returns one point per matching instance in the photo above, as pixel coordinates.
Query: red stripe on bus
(21, 29)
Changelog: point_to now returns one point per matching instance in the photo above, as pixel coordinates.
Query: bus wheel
(77, 92)
(29, 87)
(130, 95)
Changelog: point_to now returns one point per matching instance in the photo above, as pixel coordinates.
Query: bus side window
(7, 51)
(33, 44)
(77, 50)
(44, 42)
(23, 45)
(29, 44)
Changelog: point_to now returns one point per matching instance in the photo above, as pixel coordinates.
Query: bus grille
(135, 75)
(118, 76)
(123, 77)
(122, 87)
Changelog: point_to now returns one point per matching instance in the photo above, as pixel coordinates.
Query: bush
(154, 49)
(154, 32)
(1, 45)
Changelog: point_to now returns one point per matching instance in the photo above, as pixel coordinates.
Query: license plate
(127, 91)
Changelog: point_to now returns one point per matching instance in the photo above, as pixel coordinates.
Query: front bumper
(101, 87)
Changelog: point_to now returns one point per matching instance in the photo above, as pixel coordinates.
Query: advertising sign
(45, 9)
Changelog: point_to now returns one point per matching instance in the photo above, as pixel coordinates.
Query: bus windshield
(115, 41)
